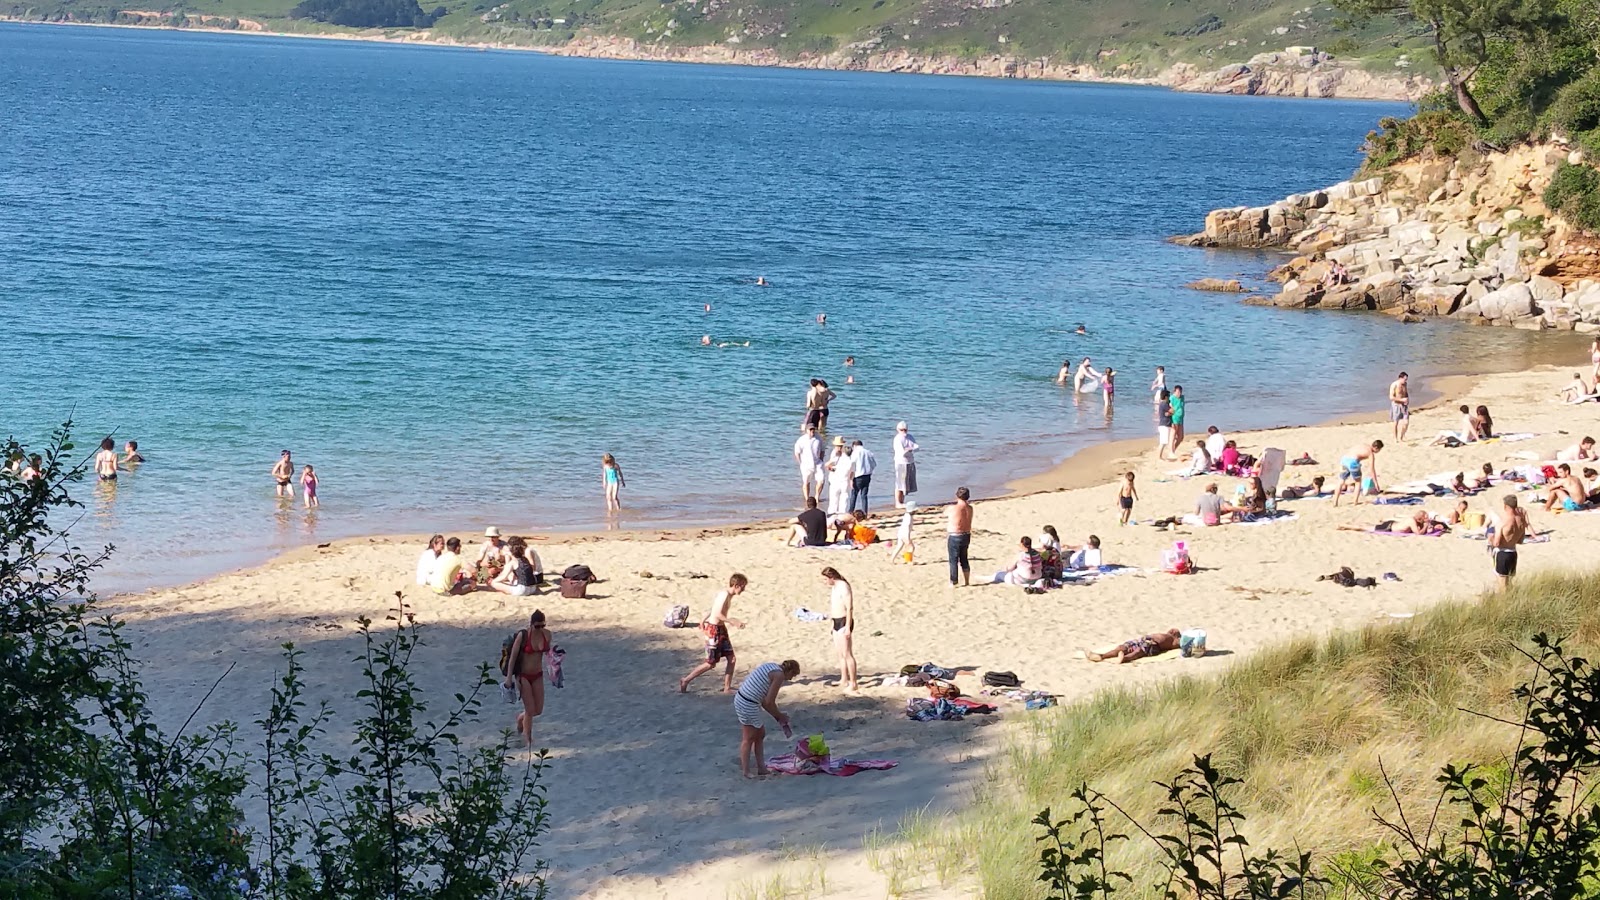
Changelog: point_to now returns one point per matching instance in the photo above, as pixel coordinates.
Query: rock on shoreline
(1468, 238)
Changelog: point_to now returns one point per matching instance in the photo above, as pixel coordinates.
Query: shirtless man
(1400, 406)
(959, 539)
(1350, 467)
(1568, 491)
(283, 473)
(1065, 372)
(1511, 526)
(843, 611)
(1084, 373)
(719, 647)
(105, 461)
(1579, 452)
(130, 454)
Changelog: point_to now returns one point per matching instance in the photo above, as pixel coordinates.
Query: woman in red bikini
(527, 667)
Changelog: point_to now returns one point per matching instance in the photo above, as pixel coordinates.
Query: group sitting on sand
(508, 566)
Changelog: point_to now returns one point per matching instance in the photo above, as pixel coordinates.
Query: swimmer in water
(1080, 329)
(849, 360)
(822, 318)
(761, 281)
(849, 379)
(705, 340)
(708, 307)
(1065, 373)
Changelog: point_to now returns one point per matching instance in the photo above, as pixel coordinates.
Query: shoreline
(634, 758)
(1173, 78)
(1095, 466)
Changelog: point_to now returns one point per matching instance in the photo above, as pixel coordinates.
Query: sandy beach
(645, 793)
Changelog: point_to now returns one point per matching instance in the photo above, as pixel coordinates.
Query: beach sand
(645, 793)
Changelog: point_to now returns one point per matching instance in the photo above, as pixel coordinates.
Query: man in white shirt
(862, 465)
(905, 465)
(808, 456)
(1215, 442)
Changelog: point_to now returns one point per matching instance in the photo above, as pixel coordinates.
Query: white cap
(900, 427)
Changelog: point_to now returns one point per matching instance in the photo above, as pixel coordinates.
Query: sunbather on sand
(1579, 452)
(1482, 482)
(1314, 489)
(1567, 492)
(1419, 523)
(1457, 514)
(1137, 648)
(1579, 391)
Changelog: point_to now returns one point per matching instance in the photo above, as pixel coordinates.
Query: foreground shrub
(97, 801)
(1528, 827)
(1574, 193)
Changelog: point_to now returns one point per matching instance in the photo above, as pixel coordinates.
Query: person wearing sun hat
(838, 467)
(492, 555)
(905, 465)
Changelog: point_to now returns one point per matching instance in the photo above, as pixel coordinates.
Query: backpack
(508, 647)
(676, 617)
(1001, 679)
(575, 581)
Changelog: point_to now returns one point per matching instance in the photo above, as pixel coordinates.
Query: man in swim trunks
(843, 610)
(283, 473)
(1400, 406)
(1511, 527)
(1350, 469)
(1568, 491)
(719, 646)
(1138, 648)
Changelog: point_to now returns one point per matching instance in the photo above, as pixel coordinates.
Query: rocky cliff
(1468, 238)
(1279, 74)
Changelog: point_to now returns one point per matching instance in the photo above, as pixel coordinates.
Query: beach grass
(1319, 730)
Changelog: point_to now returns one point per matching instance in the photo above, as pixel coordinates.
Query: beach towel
(790, 764)
(809, 615)
(1269, 518)
(1517, 436)
(1437, 532)
(552, 667)
(919, 710)
(1397, 501)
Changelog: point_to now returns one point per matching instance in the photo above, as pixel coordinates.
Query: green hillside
(1140, 36)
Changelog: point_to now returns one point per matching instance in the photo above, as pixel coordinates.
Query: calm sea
(451, 280)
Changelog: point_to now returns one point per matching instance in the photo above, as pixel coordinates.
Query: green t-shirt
(1177, 410)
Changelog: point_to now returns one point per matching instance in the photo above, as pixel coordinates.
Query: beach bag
(943, 690)
(507, 648)
(575, 582)
(1176, 561)
(1001, 679)
(1192, 642)
(676, 617)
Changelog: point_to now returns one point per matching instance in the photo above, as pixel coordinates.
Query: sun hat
(900, 426)
(491, 531)
(838, 440)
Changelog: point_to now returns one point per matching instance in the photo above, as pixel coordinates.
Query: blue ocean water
(451, 280)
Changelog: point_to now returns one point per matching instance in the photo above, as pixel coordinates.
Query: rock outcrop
(1290, 74)
(1468, 238)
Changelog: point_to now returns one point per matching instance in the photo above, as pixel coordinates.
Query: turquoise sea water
(451, 280)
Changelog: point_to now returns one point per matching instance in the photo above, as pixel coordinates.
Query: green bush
(1434, 132)
(1574, 193)
(1577, 106)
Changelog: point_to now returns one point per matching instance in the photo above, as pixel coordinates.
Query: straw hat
(491, 531)
(838, 440)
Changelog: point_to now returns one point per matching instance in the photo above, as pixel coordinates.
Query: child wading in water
(1126, 495)
(611, 474)
(308, 484)
(1107, 384)
(1159, 384)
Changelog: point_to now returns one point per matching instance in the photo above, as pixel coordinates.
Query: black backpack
(508, 648)
(1001, 679)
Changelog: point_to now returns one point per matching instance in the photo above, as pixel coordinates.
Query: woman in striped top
(759, 691)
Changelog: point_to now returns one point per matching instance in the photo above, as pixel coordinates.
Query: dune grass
(1305, 726)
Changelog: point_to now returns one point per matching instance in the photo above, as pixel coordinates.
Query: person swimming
(761, 281)
(705, 340)
(1080, 329)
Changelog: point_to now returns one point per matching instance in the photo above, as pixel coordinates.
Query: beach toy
(905, 555)
(811, 748)
(1176, 561)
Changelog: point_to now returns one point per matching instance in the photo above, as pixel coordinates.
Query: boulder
(1468, 310)
(1220, 285)
(1476, 291)
(1345, 296)
(1545, 290)
(1514, 301)
(1388, 296)
(1439, 299)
